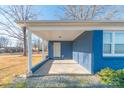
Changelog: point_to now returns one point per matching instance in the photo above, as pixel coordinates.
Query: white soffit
(68, 30)
(58, 35)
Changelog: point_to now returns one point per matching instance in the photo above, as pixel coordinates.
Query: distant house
(92, 44)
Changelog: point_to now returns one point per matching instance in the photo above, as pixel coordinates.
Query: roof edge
(67, 23)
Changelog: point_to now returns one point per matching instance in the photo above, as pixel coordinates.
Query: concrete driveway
(59, 67)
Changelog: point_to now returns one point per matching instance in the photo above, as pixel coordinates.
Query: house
(92, 44)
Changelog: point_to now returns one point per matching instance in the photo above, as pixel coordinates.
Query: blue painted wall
(87, 49)
(82, 49)
(100, 62)
(50, 49)
(66, 49)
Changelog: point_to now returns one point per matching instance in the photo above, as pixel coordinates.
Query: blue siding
(50, 49)
(100, 62)
(87, 50)
(66, 49)
(82, 49)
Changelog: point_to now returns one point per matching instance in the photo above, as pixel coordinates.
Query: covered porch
(61, 67)
(57, 32)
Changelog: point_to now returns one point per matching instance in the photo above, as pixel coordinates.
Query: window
(119, 43)
(107, 43)
(113, 43)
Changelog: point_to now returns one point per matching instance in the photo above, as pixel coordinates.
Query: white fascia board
(72, 28)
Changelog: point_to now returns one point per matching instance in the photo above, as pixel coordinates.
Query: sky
(48, 12)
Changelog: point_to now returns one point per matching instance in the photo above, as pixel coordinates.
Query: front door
(57, 49)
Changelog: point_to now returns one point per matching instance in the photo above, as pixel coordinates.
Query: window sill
(111, 55)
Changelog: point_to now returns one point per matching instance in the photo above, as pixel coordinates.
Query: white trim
(112, 54)
(43, 53)
(29, 52)
(73, 27)
(115, 55)
(70, 23)
(113, 43)
(57, 49)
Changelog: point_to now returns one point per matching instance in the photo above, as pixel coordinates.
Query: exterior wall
(50, 49)
(87, 50)
(66, 49)
(100, 62)
(82, 49)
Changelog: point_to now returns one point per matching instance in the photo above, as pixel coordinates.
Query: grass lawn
(13, 65)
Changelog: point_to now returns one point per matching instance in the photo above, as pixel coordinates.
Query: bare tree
(87, 12)
(16, 13)
(37, 44)
(3, 42)
(19, 44)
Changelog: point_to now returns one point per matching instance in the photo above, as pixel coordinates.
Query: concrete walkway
(59, 67)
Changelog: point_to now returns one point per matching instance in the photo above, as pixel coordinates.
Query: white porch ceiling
(68, 30)
(58, 35)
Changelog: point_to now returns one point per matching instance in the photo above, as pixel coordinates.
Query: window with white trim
(113, 43)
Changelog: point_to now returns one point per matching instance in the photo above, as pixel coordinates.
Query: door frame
(57, 52)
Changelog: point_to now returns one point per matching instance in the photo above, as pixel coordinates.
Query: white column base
(29, 74)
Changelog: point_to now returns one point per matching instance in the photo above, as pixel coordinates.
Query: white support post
(43, 53)
(29, 52)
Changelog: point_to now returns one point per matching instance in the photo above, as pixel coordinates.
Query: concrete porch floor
(58, 67)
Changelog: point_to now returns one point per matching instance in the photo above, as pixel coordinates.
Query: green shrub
(106, 76)
(119, 78)
(111, 77)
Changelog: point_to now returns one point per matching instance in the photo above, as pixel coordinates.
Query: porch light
(60, 36)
